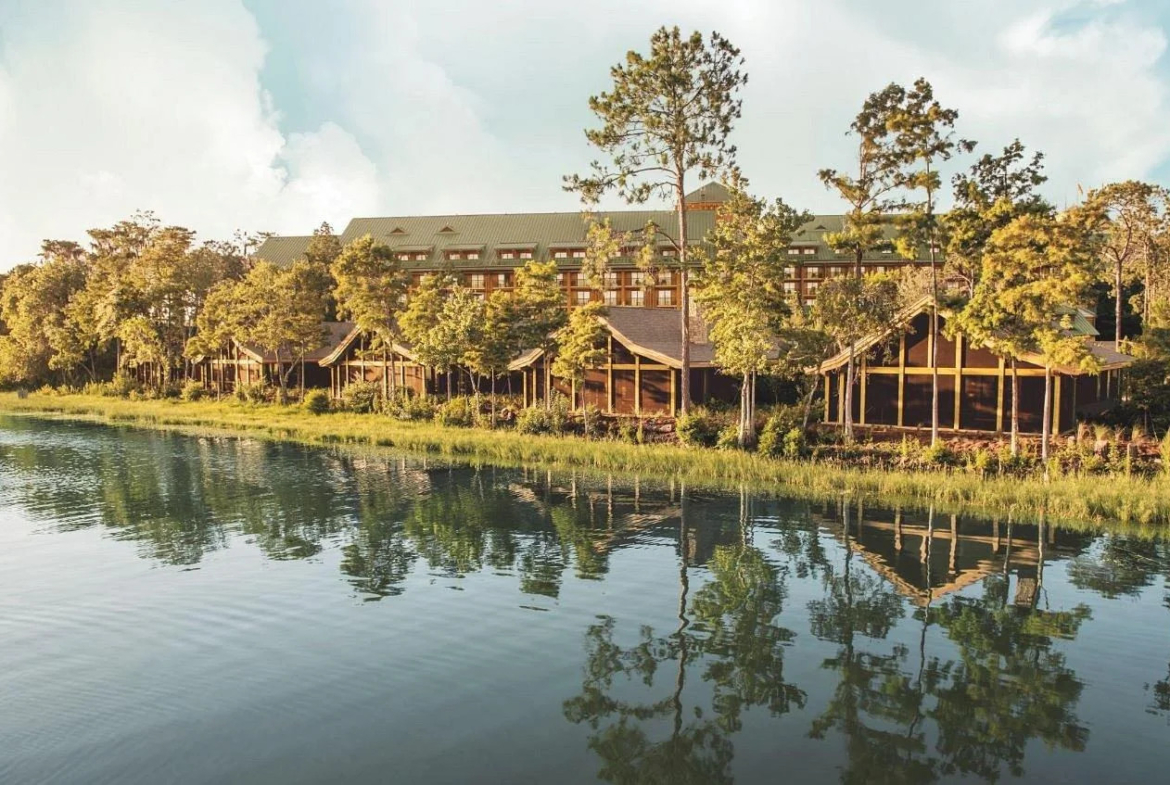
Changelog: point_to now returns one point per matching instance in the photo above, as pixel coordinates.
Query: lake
(178, 609)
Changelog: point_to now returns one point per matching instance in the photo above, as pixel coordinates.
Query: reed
(1132, 501)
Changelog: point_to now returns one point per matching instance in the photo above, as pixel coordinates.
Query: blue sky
(277, 114)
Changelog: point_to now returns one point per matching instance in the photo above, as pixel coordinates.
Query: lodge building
(641, 373)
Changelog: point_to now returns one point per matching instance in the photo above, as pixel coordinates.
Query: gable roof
(495, 232)
(335, 333)
(1079, 326)
(283, 250)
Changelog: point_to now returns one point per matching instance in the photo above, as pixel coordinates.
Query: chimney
(698, 325)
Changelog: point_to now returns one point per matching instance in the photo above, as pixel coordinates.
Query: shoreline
(1130, 503)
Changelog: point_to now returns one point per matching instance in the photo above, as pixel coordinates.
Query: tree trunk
(744, 413)
(448, 383)
(385, 377)
(847, 415)
(684, 298)
(493, 404)
(808, 399)
(1117, 308)
(934, 349)
(1015, 409)
(1046, 426)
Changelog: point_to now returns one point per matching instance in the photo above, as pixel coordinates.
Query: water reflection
(940, 647)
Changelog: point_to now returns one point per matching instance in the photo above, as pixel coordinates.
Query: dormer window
(669, 253)
(794, 252)
(526, 254)
(579, 253)
(472, 255)
(560, 254)
(809, 250)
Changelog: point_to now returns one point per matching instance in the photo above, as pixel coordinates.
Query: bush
(700, 428)
(781, 422)
(938, 455)
(411, 407)
(192, 390)
(795, 444)
(1166, 454)
(317, 401)
(362, 397)
(256, 392)
(537, 419)
(728, 438)
(457, 412)
(121, 385)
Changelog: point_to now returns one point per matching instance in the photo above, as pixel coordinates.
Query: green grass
(1134, 503)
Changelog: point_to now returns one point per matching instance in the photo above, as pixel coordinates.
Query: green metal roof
(283, 251)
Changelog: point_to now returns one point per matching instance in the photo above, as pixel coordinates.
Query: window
(404, 257)
(881, 268)
(887, 250)
(561, 278)
(420, 257)
(560, 254)
(637, 278)
(811, 287)
(812, 272)
(582, 296)
(611, 296)
(836, 270)
(579, 253)
(454, 255)
(501, 280)
(637, 297)
(809, 250)
(790, 287)
(611, 278)
(472, 255)
(507, 254)
(669, 253)
(793, 251)
(526, 254)
(476, 280)
(666, 296)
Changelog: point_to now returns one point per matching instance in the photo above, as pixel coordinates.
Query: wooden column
(637, 384)
(958, 380)
(1000, 396)
(1056, 405)
(827, 391)
(902, 380)
(673, 391)
(609, 379)
(863, 383)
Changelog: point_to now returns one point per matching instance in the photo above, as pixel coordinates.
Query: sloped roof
(708, 193)
(283, 250)
(1104, 352)
(655, 333)
(335, 334)
(508, 231)
(354, 334)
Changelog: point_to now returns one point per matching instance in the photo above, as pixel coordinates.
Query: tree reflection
(729, 634)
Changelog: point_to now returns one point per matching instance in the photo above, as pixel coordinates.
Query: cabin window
(790, 272)
(611, 278)
(811, 287)
(582, 296)
(476, 280)
(669, 253)
(809, 251)
(420, 257)
(526, 254)
(637, 297)
(611, 296)
(835, 270)
(812, 272)
(579, 253)
(793, 251)
(790, 287)
(637, 278)
(507, 254)
(472, 255)
(560, 254)
(666, 297)
(561, 278)
(501, 280)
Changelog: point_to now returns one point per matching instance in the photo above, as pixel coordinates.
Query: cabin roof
(283, 250)
(1079, 325)
(335, 333)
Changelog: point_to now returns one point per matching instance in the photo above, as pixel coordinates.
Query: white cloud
(464, 106)
(113, 107)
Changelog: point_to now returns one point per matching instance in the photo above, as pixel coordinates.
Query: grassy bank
(1091, 499)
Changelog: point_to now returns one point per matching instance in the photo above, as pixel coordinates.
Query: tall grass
(1135, 501)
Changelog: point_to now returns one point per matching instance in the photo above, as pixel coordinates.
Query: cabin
(354, 361)
(642, 370)
(894, 372)
(242, 364)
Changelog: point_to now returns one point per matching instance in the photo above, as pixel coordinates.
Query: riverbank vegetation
(893, 472)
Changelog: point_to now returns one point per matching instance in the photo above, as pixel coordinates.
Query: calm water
(187, 610)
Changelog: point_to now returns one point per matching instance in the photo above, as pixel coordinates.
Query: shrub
(192, 390)
(1165, 450)
(317, 401)
(411, 407)
(700, 428)
(981, 461)
(362, 397)
(794, 445)
(728, 438)
(939, 454)
(537, 419)
(780, 423)
(458, 413)
(256, 392)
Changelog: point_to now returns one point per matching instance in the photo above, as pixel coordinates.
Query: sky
(276, 115)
